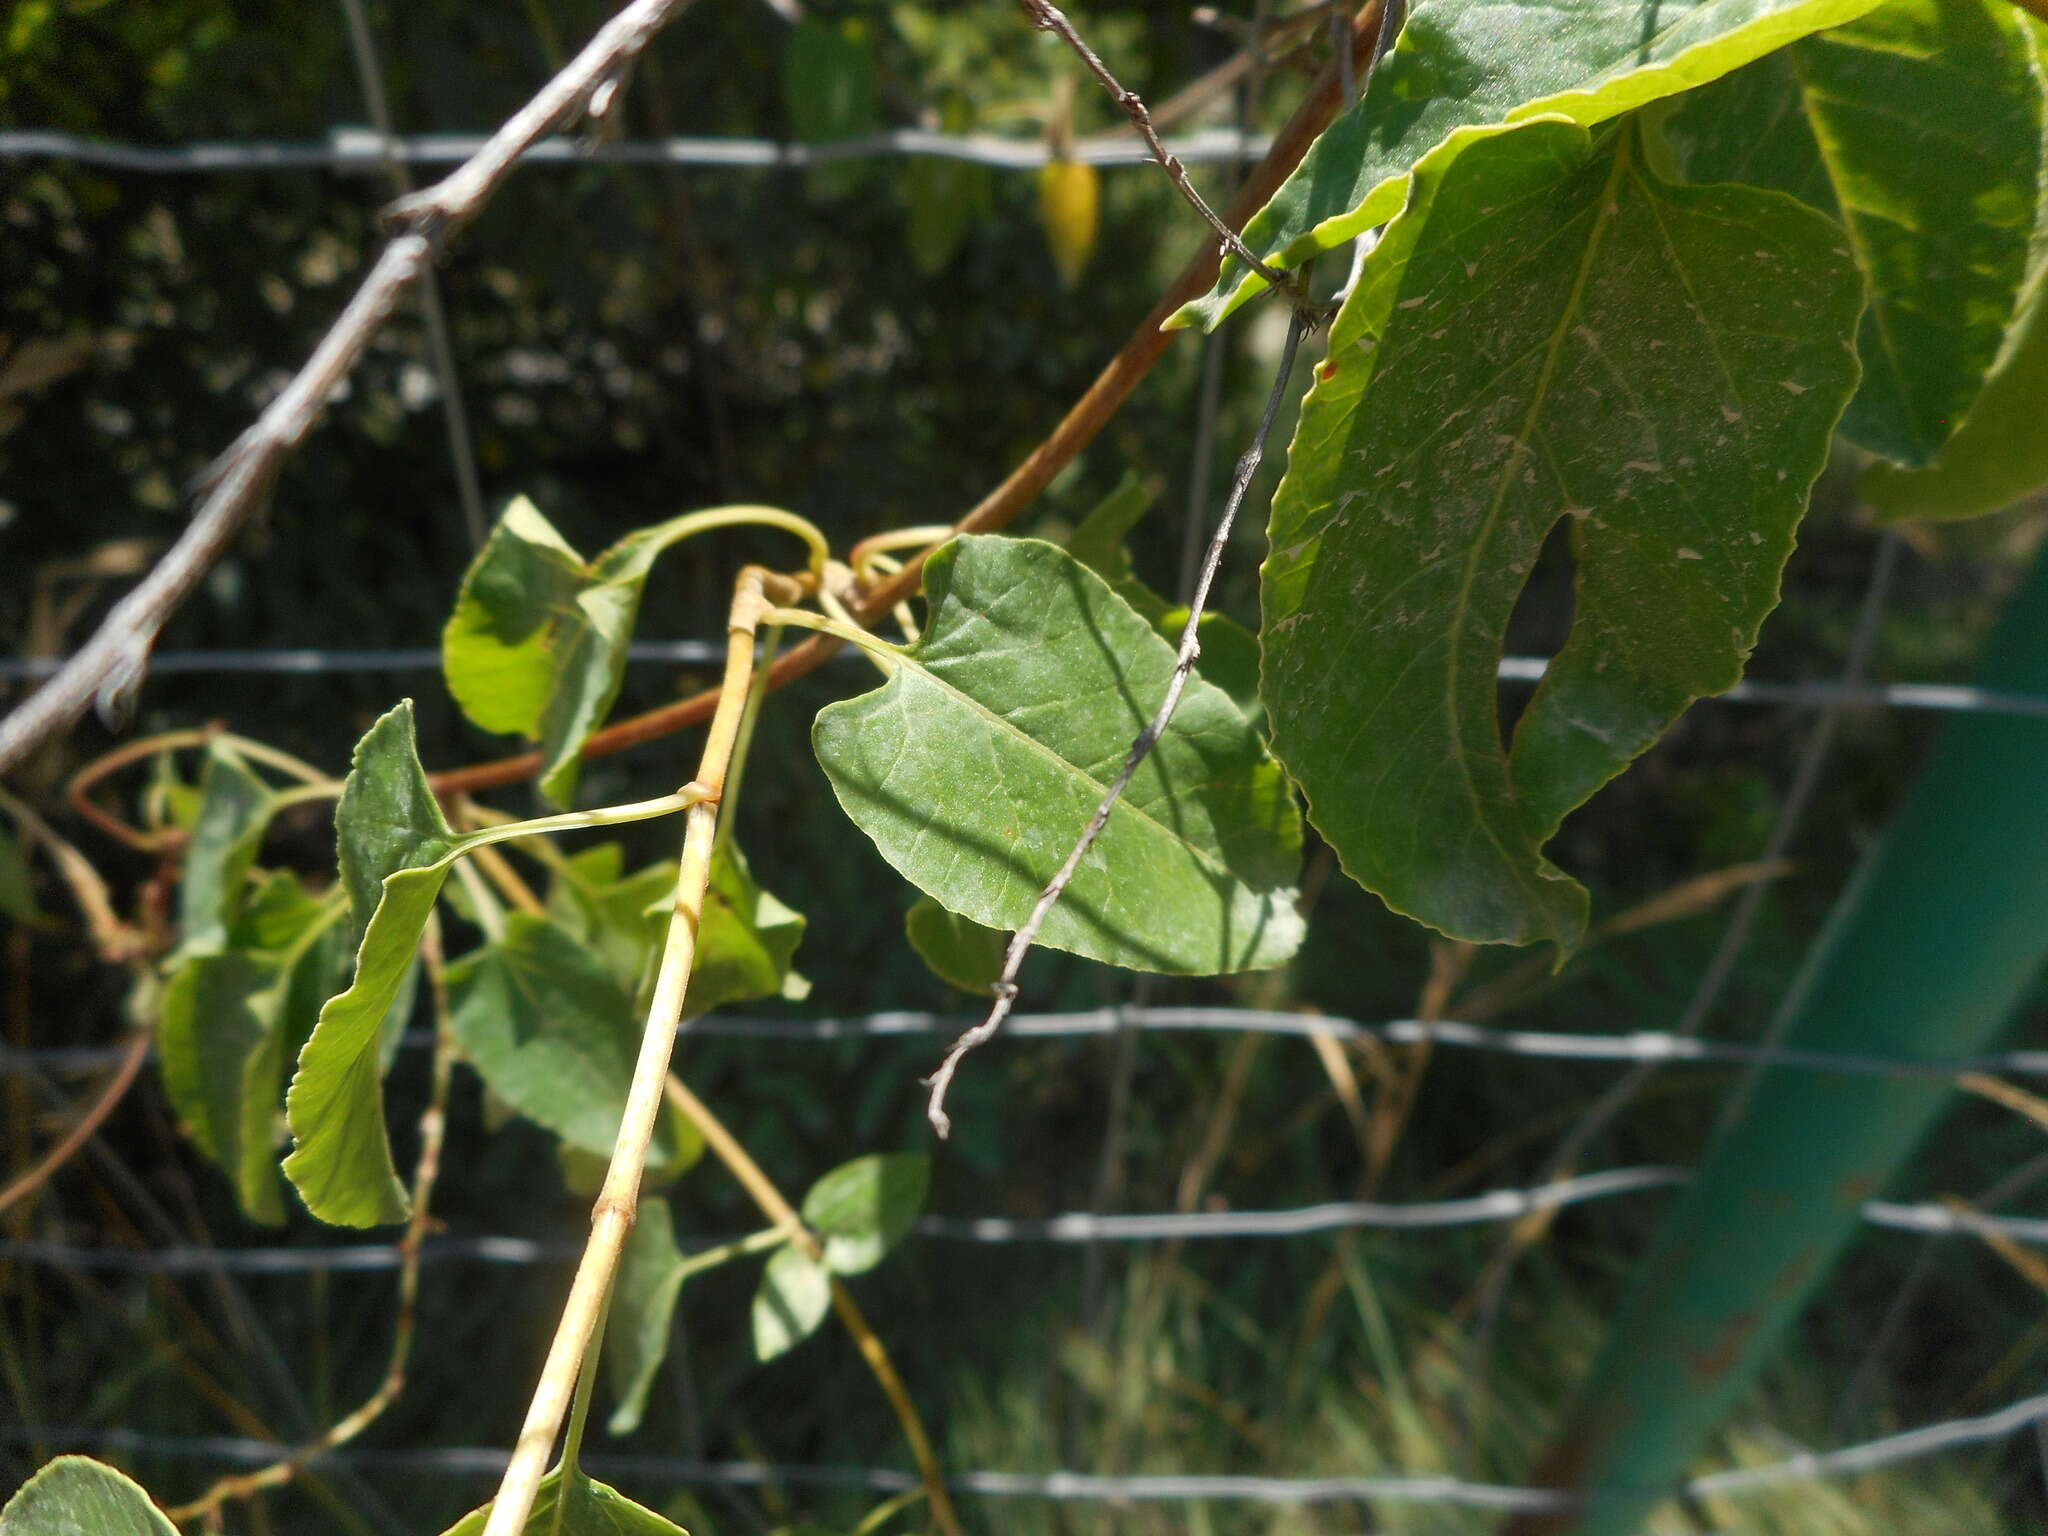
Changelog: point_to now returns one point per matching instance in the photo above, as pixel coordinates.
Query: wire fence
(351, 150)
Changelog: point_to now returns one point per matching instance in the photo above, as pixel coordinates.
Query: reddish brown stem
(1001, 506)
(79, 1134)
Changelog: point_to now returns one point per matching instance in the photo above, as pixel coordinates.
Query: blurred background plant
(870, 343)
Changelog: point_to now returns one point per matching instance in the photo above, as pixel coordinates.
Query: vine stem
(774, 1205)
(1190, 647)
(1083, 421)
(576, 1335)
(426, 1170)
(81, 1132)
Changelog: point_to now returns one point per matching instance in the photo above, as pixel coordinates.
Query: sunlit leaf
(395, 848)
(746, 941)
(1462, 63)
(1070, 208)
(234, 811)
(538, 641)
(863, 1208)
(1920, 127)
(1547, 333)
(793, 1297)
(976, 766)
(643, 1312)
(957, 948)
(585, 1507)
(552, 1033)
(76, 1496)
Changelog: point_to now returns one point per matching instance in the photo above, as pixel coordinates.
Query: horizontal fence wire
(478, 1461)
(1942, 698)
(365, 151)
(1640, 1046)
(1490, 1209)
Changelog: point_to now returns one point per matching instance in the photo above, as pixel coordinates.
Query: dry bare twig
(110, 666)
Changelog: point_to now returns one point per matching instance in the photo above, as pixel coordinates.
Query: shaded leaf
(746, 942)
(957, 948)
(1547, 332)
(1463, 63)
(395, 848)
(946, 197)
(224, 1070)
(2000, 452)
(552, 1033)
(792, 1299)
(977, 764)
(612, 913)
(828, 89)
(77, 1496)
(636, 1337)
(863, 1208)
(1919, 126)
(1070, 208)
(17, 890)
(1099, 541)
(234, 811)
(585, 1507)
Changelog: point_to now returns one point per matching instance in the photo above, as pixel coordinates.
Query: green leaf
(224, 1069)
(234, 812)
(1547, 332)
(828, 89)
(975, 767)
(863, 1208)
(636, 1337)
(1464, 63)
(76, 1496)
(2000, 452)
(794, 1295)
(959, 949)
(552, 1033)
(586, 1508)
(1919, 126)
(537, 642)
(395, 849)
(17, 890)
(946, 197)
(612, 913)
(1099, 541)
(746, 940)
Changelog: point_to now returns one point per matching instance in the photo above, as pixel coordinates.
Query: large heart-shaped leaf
(76, 1496)
(571, 1504)
(1919, 126)
(1547, 332)
(976, 766)
(1461, 63)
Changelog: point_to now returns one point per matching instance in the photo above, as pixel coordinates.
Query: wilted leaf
(77, 1496)
(584, 1508)
(1070, 208)
(551, 1032)
(1462, 63)
(976, 766)
(957, 948)
(224, 1071)
(863, 1208)
(636, 1337)
(793, 1297)
(1920, 127)
(1547, 332)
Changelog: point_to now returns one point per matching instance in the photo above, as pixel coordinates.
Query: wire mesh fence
(374, 151)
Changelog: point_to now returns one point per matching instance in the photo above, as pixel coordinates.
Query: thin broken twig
(1048, 17)
(1005, 987)
(109, 667)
